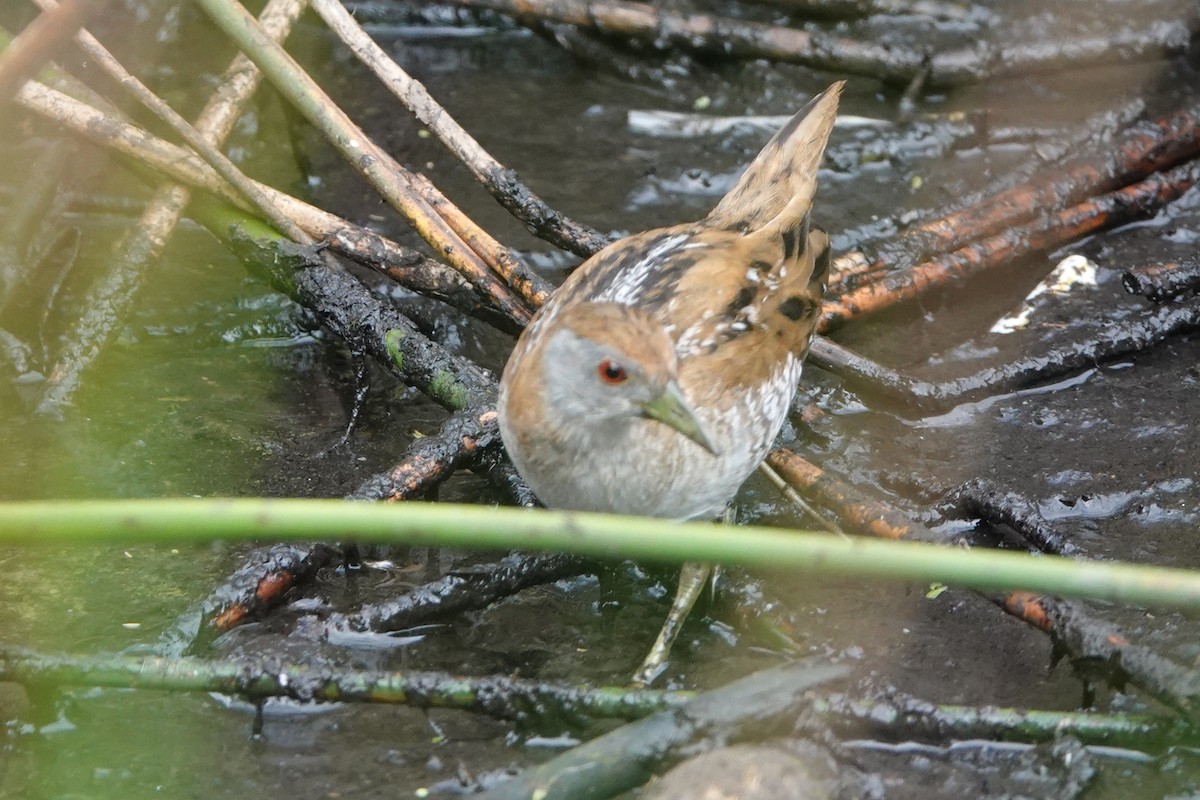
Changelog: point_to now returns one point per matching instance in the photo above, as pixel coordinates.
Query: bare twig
(404, 265)
(503, 183)
(199, 142)
(393, 181)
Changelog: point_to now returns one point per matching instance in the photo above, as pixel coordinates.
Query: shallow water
(217, 386)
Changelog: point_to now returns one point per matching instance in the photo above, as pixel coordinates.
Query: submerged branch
(891, 716)
(352, 311)
(113, 295)
(750, 708)
(874, 380)
(37, 44)
(458, 592)
(852, 506)
(898, 716)
(503, 698)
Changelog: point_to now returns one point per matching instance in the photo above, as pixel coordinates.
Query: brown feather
(778, 185)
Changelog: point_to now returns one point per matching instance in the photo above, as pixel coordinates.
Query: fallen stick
(457, 592)
(503, 184)
(1105, 211)
(431, 460)
(735, 38)
(404, 265)
(466, 246)
(502, 698)
(1148, 147)
(877, 382)
(1164, 280)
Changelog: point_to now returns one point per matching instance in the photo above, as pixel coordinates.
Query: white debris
(1072, 271)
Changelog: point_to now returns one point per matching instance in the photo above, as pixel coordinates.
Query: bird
(656, 378)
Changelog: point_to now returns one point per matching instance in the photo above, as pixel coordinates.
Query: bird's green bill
(670, 408)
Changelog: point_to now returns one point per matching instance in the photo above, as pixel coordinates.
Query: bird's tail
(775, 192)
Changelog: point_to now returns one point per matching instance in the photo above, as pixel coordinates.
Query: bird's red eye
(611, 372)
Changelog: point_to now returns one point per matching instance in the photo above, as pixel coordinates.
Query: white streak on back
(626, 290)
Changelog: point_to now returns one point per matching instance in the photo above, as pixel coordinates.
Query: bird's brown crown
(627, 331)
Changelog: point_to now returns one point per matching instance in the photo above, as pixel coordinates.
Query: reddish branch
(851, 505)
(464, 440)
(1099, 649)
(1096, 647)
(40, 41)
(1105, 211)
(1090, 643)
(261, 584)
(1150, 147)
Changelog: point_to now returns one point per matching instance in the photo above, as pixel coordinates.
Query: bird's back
(751, 273)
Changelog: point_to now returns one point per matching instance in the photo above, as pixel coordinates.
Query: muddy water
(216, 386)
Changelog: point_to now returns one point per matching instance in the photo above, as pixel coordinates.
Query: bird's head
(607, 362)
